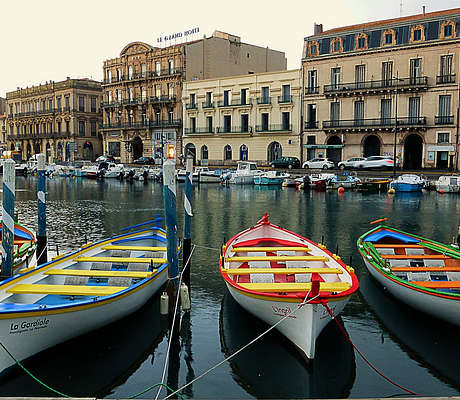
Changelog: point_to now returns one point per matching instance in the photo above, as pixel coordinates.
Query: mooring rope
(304, 302)
(331, 313)
(207, 248)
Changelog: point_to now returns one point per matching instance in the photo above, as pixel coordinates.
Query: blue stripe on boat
(384, 234)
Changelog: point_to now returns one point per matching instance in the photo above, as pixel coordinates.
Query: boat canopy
(387, 234)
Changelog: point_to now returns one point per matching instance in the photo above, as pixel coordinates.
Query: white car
(383, 162)
(322, 163)
(350, 163)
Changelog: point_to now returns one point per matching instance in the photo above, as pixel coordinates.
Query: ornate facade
(59, 119)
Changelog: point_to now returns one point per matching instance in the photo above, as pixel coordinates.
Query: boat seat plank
(295, 287)
(278, 271)
(271, 249)
(398, 246)
(414, 257)
(134, 248)
(425, 268)
(66, 290)
(98, 273)
(276, 258)
(122, 260)
(438, 284)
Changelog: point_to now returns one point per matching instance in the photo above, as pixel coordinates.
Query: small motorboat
(244, 174)
(81, 291)
(408, 183)
(274, 273)
(270, 178)
(91, 171)
(206, 175)
(448, 184)
(373, 185)
(419, 272)
(25, 245)
(320, 181)
(112, 170)
(346, 181)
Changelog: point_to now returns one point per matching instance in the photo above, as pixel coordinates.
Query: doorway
(413, 150)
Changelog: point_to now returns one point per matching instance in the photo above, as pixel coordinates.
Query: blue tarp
(383, 234)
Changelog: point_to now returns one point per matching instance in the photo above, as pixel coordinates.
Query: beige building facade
(59, 119)
(252, 117)
(374, 88)
(142, 89)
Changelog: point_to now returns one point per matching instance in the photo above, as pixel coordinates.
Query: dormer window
(336, 45)
(313, 49)
(447, 30)
(388, 38)
(361, 41)
(417, 34)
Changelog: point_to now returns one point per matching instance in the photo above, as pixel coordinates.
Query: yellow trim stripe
(276, 258)
(98, 273)
(66, 290)
(122, 260)
(279, 271)
(134, 248)
(295, 287)
(250, 249)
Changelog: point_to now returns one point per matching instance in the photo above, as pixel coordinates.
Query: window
(445, 70)
(360, 73)
(67, 126)
(114, 149)
(361, 42)
(170, 66)
(143, 70)
(50, 104)
(444, 110)
(81, 103)
(209, 124)
(81, 128)
(158, 91)
(244, 99)
(264, 120)
(50, 128)
(192, 124)
(311, 116)
(358, 112)
(244, 123)
(43, 105)
(157, 117)
(227, 123)
(58, 101)
(388, 38)
(286, 93)
(387, 73)
(170, 116)
(93, 128)
(227, 152)
(171, 90)
(118, 74)
(158, 68)
(226, 97)
(312, 82)
(336, 45)
(443, 137)
(204, 152)
(109, 76)
(130, 72)
(192, 100)
(209, 99)
(335, 111)
(286, 120)
(335, 78)
(417, 35)
(385, 111)
(93, 104)
(448, 30)
(143, 93)
(313, 50)
(415, 70)
(59, 127)
(414, 109)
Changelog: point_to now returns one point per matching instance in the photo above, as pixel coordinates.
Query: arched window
(243, 152)
(204, 152)
(228, 152)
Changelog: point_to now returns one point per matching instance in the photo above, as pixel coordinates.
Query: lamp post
(396, 126)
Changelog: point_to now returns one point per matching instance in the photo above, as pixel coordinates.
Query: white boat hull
(303, 326)
(446, 309)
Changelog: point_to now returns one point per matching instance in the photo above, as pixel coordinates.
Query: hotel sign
(177, 35)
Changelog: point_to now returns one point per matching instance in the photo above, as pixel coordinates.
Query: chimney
(317, 29)
(423, 8)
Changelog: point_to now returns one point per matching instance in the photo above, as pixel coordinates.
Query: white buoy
(184, 297)
(164, 304)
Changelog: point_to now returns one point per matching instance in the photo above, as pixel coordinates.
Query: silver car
(350, 163)
(382, 162)
(322, 163)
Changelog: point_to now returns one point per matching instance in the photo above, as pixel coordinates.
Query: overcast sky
(52, 39)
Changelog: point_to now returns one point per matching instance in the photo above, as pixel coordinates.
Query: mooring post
(42, 241)
(169, 197)
(187, 245)
(9, 183)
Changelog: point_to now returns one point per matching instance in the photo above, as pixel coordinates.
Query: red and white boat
(274, 273)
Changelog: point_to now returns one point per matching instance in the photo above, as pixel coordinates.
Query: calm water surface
(127, 357)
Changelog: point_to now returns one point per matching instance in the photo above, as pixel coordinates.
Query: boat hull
(406, 187)
(267, 181)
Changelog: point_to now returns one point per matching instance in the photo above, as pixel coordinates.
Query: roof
(373, 24)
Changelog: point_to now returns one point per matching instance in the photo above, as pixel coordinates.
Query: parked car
(285, 162)
(350, 163)
(322, 163)
(382, 162)
(105, 158)
(144, 160)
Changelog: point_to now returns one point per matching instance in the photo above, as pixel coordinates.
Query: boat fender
(336, 257)
(164, 304)
(350, 269)
(184, 297)
(321, 246)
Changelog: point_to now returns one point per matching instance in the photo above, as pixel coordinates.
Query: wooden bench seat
(414, 256)
(122, 260)
(425, 269)
(438, 284)
(398, 246)
(66, 290)
(100, 274)
(270, 249)
(295, 287)
(134, 248)
(280, 271)
(276, 258)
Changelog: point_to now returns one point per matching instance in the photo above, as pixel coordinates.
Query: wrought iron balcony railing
(191, 106)
(264, 100)
(234, 103)
(233, 129)
(388, 123)
(284, 99)
(142, 124)
(191, 131)
(311, 89)
(207, 104)
(162, 99)
(274, 128)
(311, 124)
(443, 79)
(444, 119)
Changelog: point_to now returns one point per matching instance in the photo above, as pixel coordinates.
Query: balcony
(166, 72)
(264, 100)
(163, 99)
(383, 124)
(197, 131)
(135, 102)
(274, 128)
(142, 124)
(312, 90)
(377, 87)
(234, 103)
(110, 104)
(166, 123)
(41, 135)
(207, 104)
(113, 81)
(445, 79)
(444, 120)
(234, 129)
(284, 99)
(191, 106)
(311, 124)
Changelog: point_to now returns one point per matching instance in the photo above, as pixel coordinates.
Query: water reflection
(272, 368)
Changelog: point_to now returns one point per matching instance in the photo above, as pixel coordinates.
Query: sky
(53, 39)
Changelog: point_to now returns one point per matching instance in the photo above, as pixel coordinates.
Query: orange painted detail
(414, 256)
(438, 284)
(425, 269)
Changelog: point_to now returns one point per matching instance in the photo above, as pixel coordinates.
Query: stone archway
(137, 148)
(190, 150)
(274, 151)
(413, 151)
(371, 146)
(334, 154)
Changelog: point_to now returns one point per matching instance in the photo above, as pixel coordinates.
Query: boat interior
(88, 274)
(424, 263)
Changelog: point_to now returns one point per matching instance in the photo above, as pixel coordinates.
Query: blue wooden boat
(408, 183)
(270, 178)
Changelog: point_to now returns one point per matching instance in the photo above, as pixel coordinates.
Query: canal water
(125, 358)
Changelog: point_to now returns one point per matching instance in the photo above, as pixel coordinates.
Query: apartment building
(59, 119)
(142, 89)
(384, 87)
(252, 117)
